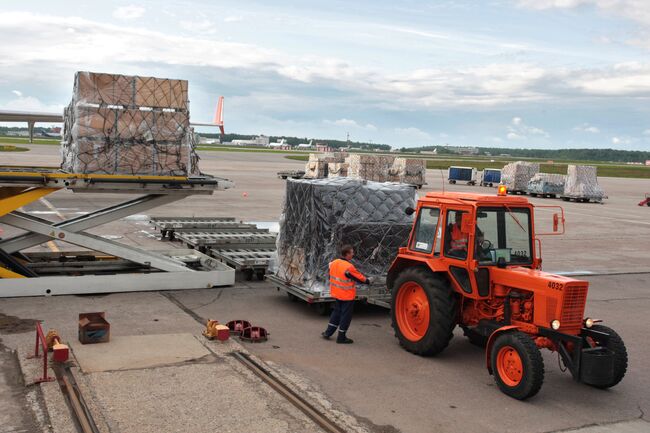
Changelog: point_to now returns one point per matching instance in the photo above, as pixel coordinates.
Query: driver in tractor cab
(458, 240)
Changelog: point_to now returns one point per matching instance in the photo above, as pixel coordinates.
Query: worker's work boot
(342, 339)
(325, 336)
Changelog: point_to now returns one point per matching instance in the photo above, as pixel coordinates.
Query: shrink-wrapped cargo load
(370, 167)
(118, 124)
(546, 185)
(408, 170)
(516, 175)
(337, 169)
(319, 216)
(317, 167)
(582, 184)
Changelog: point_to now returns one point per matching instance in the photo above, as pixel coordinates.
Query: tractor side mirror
(556, 222)
(409, 211)
(466, 223)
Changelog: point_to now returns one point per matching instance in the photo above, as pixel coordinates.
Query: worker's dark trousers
(340, 318)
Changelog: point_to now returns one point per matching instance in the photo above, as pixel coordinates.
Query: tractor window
(425, 230)
(456, 242)
(503, 232)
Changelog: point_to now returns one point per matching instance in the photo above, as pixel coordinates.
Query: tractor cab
(467, 234)
(474, 261)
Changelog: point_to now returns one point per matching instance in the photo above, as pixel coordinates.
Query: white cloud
(17, 93)
(413, 133)
(199, 26)
(349, 123)
(25, 51)
(519, 130)
(30, 103)
(233, 19)
(585, 127)
(623, 140)
(129, 12)
(646, 132)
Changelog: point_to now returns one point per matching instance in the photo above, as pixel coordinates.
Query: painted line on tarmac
(609, 218)
(599, 273)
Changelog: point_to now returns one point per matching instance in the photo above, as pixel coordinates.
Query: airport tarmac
(374, 383)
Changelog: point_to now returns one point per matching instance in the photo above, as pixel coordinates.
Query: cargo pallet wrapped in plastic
(319, 216)
(370, 167)
(516, 175)
(118, 124)
(337, 169)
(317, 167)
(408, 170)
(546, 185)
(582, 184)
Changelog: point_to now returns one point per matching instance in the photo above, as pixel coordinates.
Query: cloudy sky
(505, 73)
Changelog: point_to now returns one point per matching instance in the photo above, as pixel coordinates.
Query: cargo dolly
(250, 261)
(376, 294)
(168, 226)
(291, 174)
(20, 186)
(203, 241)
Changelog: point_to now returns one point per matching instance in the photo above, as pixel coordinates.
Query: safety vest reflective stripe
(458, 239)
(342, 280)
(332, 284)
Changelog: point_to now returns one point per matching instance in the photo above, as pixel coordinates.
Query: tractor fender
(403, 261)
(488, 347)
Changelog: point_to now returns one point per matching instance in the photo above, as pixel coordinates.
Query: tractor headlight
(589, 322)
(555, 324)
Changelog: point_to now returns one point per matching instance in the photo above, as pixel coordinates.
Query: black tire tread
(442, 304)
(533, 376)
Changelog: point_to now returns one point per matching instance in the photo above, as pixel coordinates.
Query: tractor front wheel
(517, 365)
(615, 344)
(423, 311)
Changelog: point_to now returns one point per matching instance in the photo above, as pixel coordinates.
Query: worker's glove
(367, 281)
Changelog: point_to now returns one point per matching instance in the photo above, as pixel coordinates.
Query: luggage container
(462, 174)
(491, 177)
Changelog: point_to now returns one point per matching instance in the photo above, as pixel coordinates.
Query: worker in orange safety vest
(459, 240)
(343, 279)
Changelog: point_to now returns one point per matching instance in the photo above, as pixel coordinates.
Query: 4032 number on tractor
(474, 260)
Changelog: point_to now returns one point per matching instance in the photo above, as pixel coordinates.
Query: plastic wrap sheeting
(317, 167)
(516, 175)
(408, 170)
(337, 169)
(546, 183)
(319, 216)
(582, 183)
(118, 124)
(370, 167)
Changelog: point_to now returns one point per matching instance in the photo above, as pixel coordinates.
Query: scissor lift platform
(20, 186)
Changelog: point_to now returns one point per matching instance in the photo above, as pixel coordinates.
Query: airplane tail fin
(218, 115)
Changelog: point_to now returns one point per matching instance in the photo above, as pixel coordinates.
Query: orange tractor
(474, 260)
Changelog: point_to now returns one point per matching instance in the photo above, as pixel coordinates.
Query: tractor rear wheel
(517, 365)
(616, 345)
(423, 311)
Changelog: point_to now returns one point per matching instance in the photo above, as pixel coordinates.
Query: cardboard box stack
(546, 184)
(370, 167)
(118, 124)
(408, 170)
(317, 166)
(582, 183)
(516, 175)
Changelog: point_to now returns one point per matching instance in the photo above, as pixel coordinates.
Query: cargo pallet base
(239, 245)
(291, 174)
(534, 194)
(375, 295)
(582, 199)
(517, 192)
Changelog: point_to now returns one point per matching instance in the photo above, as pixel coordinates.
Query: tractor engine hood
(555, 297)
